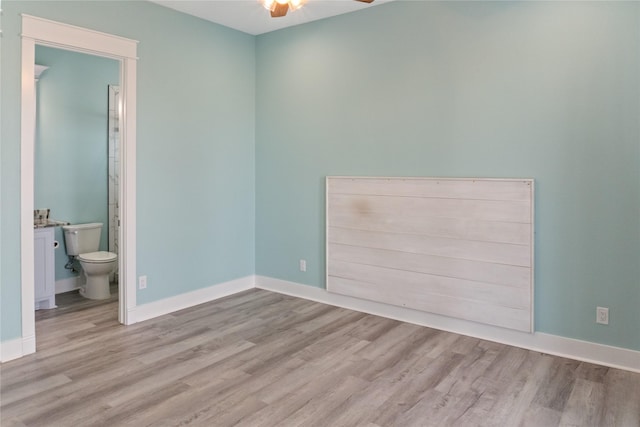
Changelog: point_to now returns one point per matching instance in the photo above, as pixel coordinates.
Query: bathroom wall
(195, 146)
(543, 90)
(71, 148)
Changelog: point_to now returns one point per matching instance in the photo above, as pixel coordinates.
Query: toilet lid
(98, 257)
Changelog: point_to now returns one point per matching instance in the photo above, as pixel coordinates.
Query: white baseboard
(600, 354)
(190, 299)
(16, 348)
(10, 349)
(67, 285)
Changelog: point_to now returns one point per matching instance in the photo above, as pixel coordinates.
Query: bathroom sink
(49, 223)
(41, 219)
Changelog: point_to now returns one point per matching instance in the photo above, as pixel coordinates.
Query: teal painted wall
(71, 149)
(546, 90)
(195, 146)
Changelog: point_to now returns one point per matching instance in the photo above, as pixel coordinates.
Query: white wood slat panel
(489, 293)
(421, 223)
(456, 247)
(499, 274)
(434, 187)
(501, 253)
(418, 299)
(488, 210)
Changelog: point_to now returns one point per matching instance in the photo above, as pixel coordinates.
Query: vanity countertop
(49, 223)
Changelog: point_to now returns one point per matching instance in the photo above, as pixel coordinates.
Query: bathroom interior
(76, 182)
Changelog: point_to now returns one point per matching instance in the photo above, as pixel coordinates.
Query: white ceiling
(250, 17)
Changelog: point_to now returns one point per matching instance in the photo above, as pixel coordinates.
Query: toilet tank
(82, 238)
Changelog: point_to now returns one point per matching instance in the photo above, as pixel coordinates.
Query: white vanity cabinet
(44, 257)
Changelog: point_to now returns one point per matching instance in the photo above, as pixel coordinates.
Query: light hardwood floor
(264, 359)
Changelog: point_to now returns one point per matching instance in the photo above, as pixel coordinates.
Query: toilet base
(97, 287)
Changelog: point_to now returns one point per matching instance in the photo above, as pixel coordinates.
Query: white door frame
(63, 36)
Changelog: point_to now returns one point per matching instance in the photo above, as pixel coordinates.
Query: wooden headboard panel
(457, 247)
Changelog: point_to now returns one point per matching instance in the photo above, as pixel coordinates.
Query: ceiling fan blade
(279, 10)
(365, 1)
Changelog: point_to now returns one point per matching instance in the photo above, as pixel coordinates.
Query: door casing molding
(39, 31)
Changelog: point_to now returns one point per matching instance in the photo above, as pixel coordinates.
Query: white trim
(16, 348)
(27, 135)
(50, 33)
(532, 287)
(29, 344)
(193, 298)
(10, 349)
(78, 38)
(601, 354)
(67, 285)
(127, 237)
(422, 178)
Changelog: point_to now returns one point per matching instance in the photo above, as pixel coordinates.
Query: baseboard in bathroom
(67, 285)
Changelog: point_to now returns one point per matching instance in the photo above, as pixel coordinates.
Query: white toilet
(83, 241)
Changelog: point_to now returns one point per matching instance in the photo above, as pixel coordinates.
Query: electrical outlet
(142, 282)
(602, 315)
(303, 265)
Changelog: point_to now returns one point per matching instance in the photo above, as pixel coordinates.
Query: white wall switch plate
(602, 315)
(142, 282)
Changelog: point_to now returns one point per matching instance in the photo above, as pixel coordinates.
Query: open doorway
(38, 31)
(76, 179)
